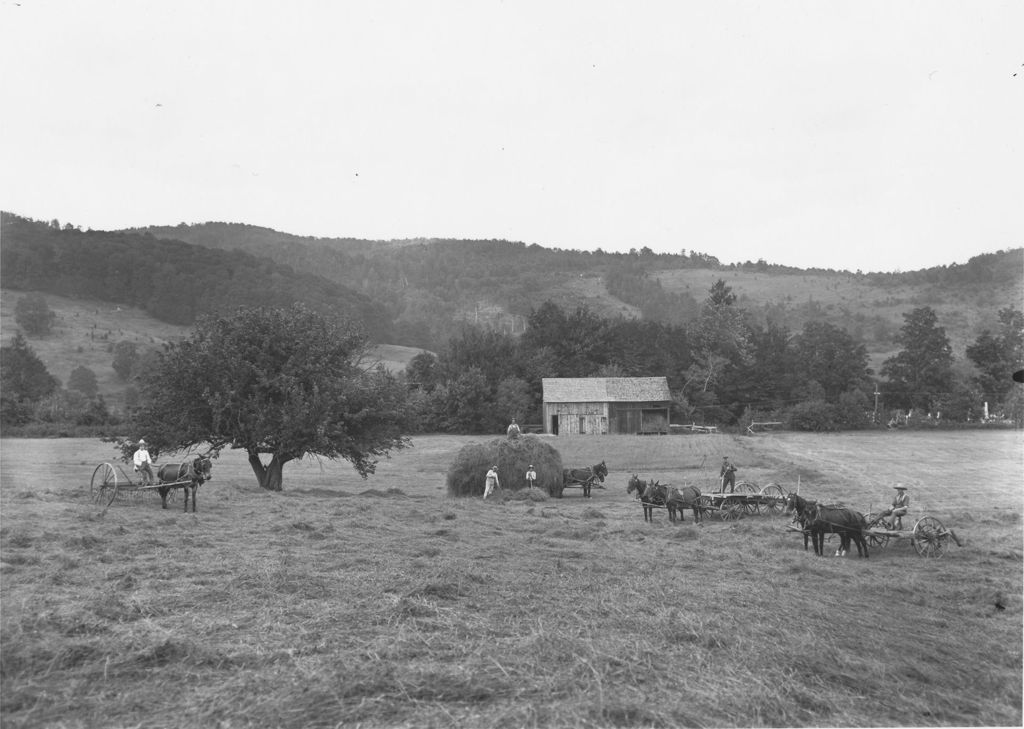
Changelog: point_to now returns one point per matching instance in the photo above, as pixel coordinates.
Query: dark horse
(193, 473)
(801, 509)
(585, 477)
(681, 498)
(818, 520)
(651, 494)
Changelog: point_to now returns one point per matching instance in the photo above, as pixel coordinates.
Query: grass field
(385, 603)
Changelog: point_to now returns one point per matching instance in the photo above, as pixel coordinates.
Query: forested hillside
(815, 349)
(172, 280)
(429, 287)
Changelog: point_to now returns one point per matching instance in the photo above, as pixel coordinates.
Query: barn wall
(576, 418)
(589, 418)
(639, 417)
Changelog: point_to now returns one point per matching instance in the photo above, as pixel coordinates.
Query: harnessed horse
(195, 472)
(584, 476)
(651, 494)
(681, 498)
(818, 520)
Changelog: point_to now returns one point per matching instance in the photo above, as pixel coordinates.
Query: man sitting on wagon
(900, 504)
(144, 464)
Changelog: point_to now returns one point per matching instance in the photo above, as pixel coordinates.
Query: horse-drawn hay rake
(929, 537)
(110, 482)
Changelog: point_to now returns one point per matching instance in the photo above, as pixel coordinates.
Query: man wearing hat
(900, 504)
(728, 475)
(144, 464)
(531, 476)
(491, 482)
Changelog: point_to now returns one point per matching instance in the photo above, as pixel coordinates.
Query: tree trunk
(270, 475)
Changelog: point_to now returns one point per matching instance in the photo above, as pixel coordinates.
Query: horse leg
(163, 496)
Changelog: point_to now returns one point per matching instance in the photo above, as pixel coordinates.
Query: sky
(874, 136)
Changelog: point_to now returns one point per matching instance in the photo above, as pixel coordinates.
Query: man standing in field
(728, 475)
(531, 476)
(491, 481)
(513, 430)
(144, 464)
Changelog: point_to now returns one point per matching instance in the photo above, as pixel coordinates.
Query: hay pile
(513, 456)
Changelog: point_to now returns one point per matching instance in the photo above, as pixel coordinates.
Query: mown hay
(513, 457)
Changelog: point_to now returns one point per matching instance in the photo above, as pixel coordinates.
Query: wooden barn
(596, 405)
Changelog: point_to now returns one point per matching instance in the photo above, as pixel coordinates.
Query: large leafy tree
(24, 380)
(283, 383)
(921, 373)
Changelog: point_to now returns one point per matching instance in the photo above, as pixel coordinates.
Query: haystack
(513, 457)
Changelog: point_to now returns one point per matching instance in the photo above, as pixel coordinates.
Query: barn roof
(605, 389)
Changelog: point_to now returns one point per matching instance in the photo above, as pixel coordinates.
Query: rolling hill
(418, 292)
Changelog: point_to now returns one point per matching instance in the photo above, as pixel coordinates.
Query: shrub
(513, 457)
(813, 415)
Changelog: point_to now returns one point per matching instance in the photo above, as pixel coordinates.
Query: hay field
(384, 603)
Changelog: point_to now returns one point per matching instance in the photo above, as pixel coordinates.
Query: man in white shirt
(144, 464)
(491, 482)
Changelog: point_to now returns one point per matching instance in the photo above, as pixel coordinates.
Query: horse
(195, 472)
(584, 476)
(847, 523)
(801, 509)
(816, 520)
(681, 498)
(651, 494)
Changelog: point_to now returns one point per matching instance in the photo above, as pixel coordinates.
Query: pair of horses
(188, 475)
(656, 494)
(816, 520)
(584, 477)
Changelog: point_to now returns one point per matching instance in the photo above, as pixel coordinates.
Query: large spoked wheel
(773, 499)
(930, 537)
(103, 487)
(748, 489)
(707, 506)
(730, 510)
(876, 522)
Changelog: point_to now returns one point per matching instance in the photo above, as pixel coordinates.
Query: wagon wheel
(730, 510)
(930, 537)
(706, 505)
(773, 499)
(877, 521)
(748, 505)
(103, 487)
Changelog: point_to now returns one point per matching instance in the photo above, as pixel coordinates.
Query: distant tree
(126, 357)
(921, 372)
(277, 382)
(999, 354)
(83, 379)
(832, 357)
(23, 380)
(467, 404)
(33, 314)
(512, 399)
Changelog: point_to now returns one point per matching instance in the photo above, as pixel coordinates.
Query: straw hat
(142, 442)
(900, 487)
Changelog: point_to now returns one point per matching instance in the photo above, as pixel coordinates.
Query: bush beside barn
(513, 457)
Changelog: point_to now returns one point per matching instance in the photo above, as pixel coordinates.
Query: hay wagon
(110, 482)
(748, 499)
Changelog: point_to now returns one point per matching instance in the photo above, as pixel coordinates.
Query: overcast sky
(849, 135)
